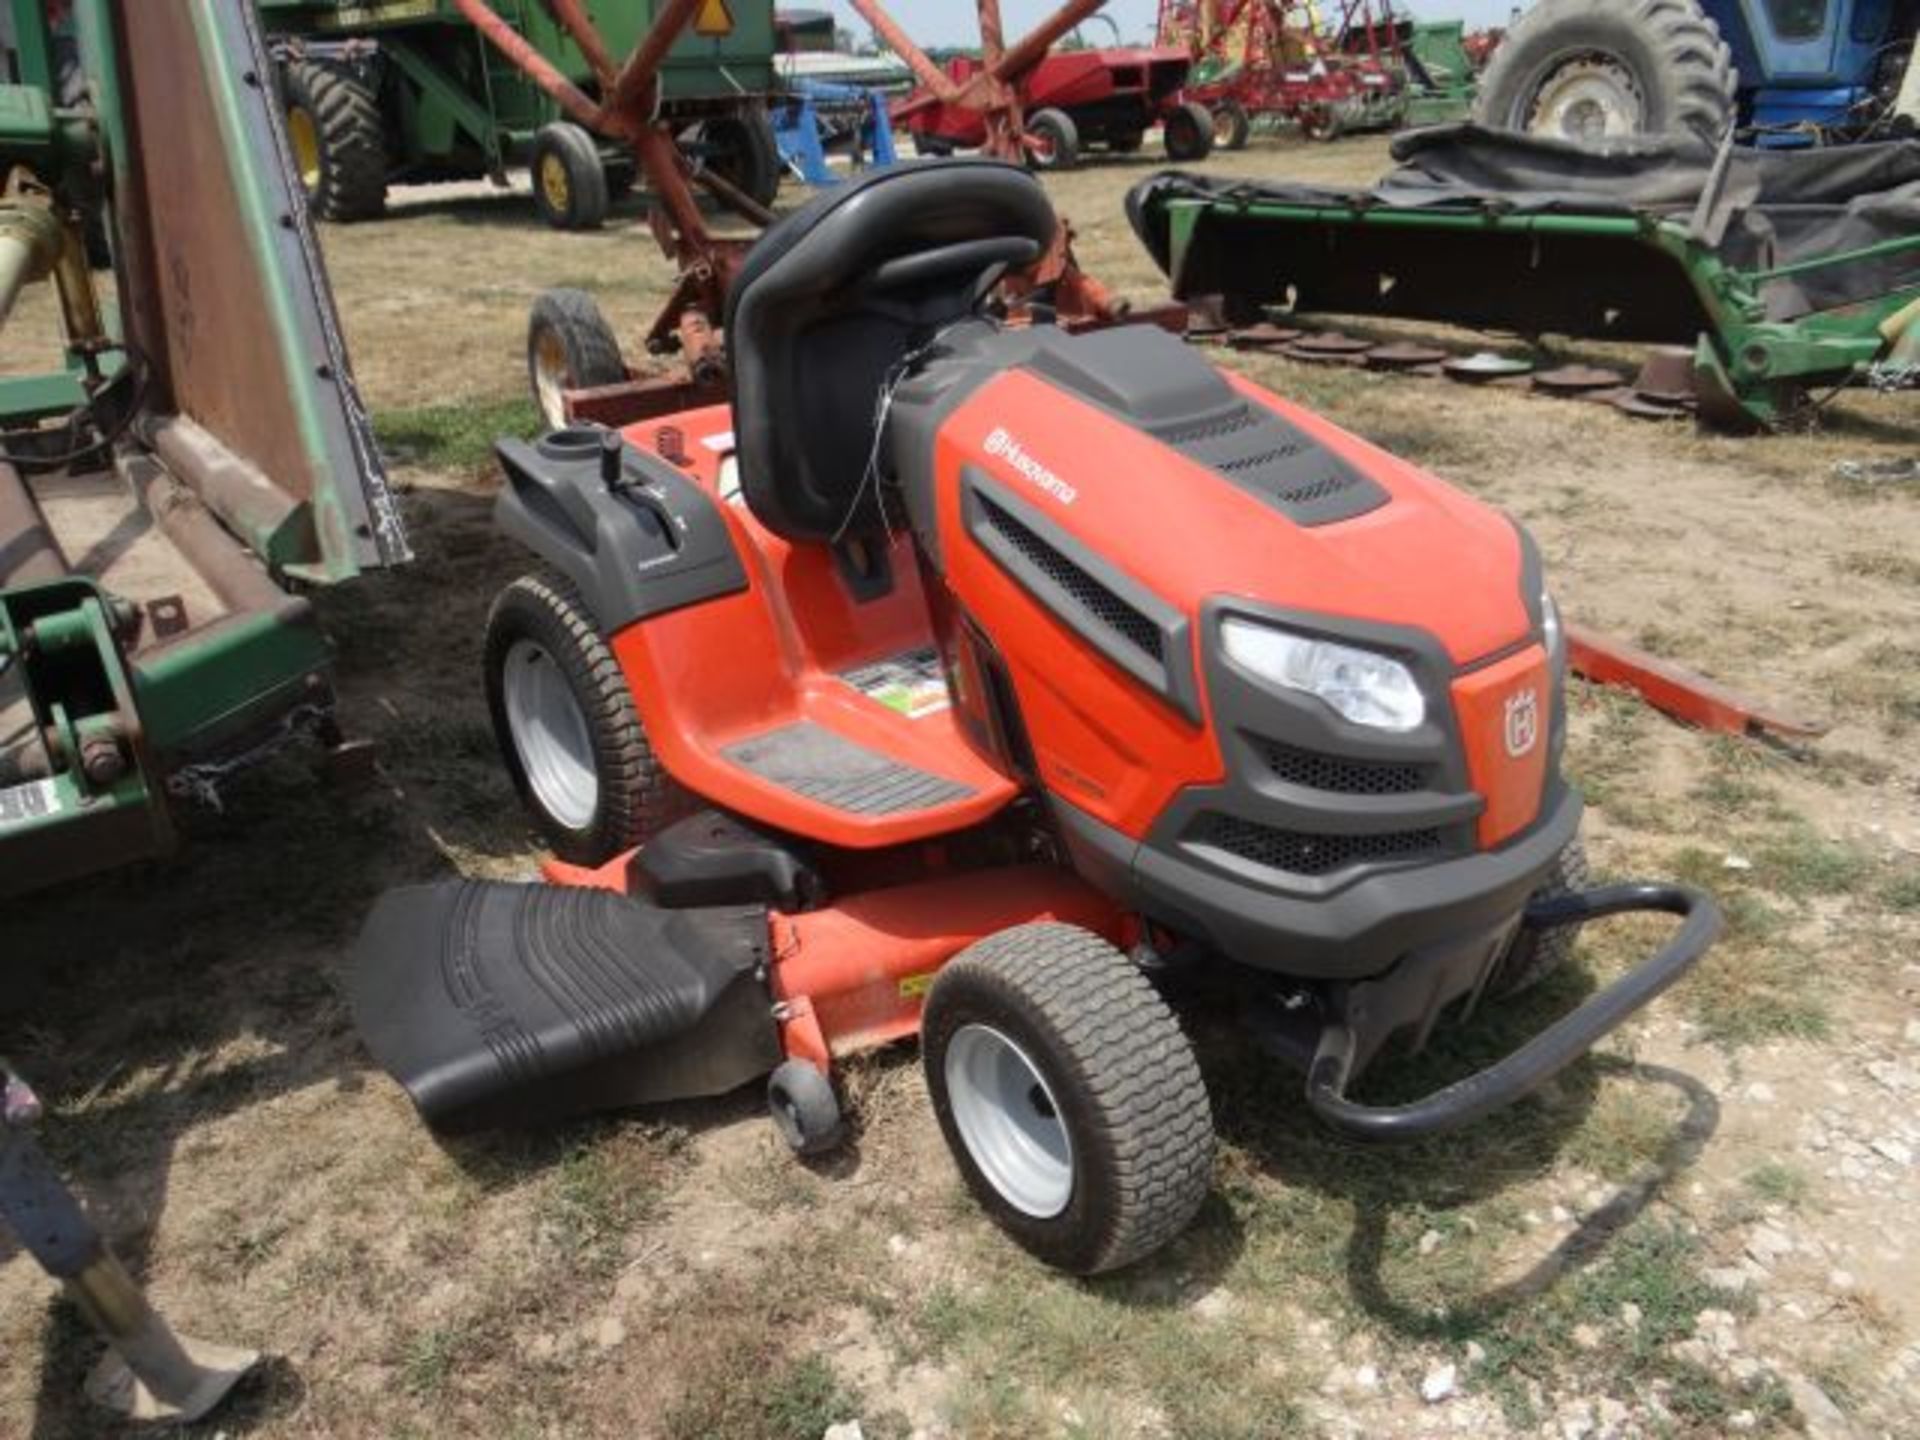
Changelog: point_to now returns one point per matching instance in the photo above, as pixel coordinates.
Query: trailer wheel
(1536, 954)
(1187, 132)
(1587, 70)
(338, 140)
(804, 1108)
(1056, 140)
(1231, 125)
(565, 722)
(741, 149)
(569, 182)
(570, 346)
(1068, 1095)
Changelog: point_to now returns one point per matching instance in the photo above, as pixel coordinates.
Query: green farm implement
(1787, 273)
(380, 90)
(192, 457)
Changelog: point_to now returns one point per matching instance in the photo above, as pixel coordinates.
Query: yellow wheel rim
(554, 184)
(305, 136)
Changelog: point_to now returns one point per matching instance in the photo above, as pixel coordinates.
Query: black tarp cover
(1767, 208)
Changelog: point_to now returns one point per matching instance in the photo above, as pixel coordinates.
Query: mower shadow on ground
(1259, 1110)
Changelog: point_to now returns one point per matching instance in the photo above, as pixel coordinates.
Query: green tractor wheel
(569, 182)
(339, 144)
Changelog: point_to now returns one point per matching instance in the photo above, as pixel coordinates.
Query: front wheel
(1536, 954)
(569, 183)
(570, 346)
(1187, 132)
(1068, 1095)
(1231, 125)
(1054, 140)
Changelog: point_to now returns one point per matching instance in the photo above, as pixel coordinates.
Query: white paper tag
(34, 800)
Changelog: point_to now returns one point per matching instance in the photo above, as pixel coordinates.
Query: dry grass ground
(1705, 1229)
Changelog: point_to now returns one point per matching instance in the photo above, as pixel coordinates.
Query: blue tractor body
(1806, 64)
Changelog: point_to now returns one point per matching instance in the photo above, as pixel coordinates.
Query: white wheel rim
(550, 735)
(1590, 99)
(1008, 1120)
(550, 378)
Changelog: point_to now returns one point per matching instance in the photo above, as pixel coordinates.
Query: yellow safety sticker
(713, 18)
(912, 987)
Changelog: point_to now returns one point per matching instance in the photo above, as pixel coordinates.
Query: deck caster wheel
(805, 1110)
(1068, 1095)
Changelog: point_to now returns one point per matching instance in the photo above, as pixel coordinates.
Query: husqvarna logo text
(1523, 722)
(1003, 446)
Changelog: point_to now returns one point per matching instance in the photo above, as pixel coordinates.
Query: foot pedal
(499, 1004)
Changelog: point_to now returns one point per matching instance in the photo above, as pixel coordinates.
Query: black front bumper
(1342, 931)
(1368, 1019)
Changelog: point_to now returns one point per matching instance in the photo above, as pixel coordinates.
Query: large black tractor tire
(566, 726)
(1586, 70)
(1536, 954)
(1187, 132)
(338, 139)
(1232, 126)
(570, 346)
(1056, 140)
(1069, 1096)
(569, 181)
(741, 149)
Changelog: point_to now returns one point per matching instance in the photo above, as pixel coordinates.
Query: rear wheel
(1068, 1095)
(1055, 140)
(741, 149)
(566, 726)
(338, 141)
(1187, 132)
(1231, 125)
(1588, 70)
(570, 346)
(569, 182)
(1536, 954)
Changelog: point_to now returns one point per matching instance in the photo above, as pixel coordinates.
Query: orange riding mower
(960, 678)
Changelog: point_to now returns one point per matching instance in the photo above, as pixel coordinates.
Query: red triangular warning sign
(713, 18)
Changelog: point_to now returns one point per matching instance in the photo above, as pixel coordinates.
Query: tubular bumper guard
(1547, 1053)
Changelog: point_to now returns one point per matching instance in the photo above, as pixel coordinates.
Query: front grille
(1086, 592)
(1299, 853)
(1318, 771)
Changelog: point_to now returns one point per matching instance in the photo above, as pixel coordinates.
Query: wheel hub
(550, 735)
(1589, 97)
(1009, 1121)
(553, 183)
(550, 377)
(305, 138)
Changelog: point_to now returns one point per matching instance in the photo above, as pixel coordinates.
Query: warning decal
(33, 801)
(713, 18)
(912, 684)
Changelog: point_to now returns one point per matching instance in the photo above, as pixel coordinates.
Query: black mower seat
(832, 297)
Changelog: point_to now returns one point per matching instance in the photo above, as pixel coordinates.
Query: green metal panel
(698, 66)
(1757, 368)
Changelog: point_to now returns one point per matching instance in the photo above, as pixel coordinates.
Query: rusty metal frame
(629, 113)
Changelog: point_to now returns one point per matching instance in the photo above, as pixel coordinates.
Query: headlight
(1550, 632)
(1365, 688)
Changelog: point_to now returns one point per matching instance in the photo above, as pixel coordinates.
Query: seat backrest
(833, 298)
